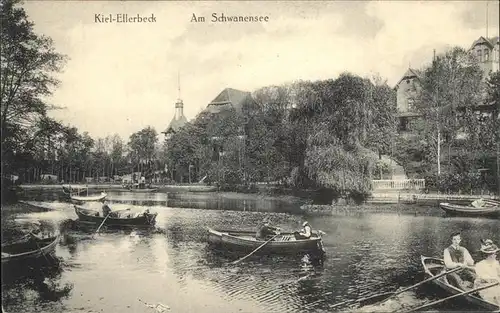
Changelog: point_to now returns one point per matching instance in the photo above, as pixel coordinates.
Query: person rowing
(266, 231)
(105, 208)
(458, 256)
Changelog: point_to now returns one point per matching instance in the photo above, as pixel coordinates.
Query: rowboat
(138, 219)
(244, 240)
(143, 189)
(490, 209)
(89, 198)
(434, 266)
(28, 250)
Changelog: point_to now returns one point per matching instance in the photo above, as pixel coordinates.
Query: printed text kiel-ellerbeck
(124, 18)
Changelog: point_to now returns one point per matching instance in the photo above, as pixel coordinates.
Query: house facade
(487, 53)
(408, 87)
(407, 90)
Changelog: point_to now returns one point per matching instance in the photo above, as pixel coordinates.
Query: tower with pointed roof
(179, 120)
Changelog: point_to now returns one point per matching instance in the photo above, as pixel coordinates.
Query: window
(411, 104)
(486, 54)
(403, 124)
(479, 56)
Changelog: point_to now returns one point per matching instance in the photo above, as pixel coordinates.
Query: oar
(257, 249)
(454, 296)
(102, 223)
(387, 295)
(41, 251)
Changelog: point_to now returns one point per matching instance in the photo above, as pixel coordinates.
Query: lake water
(136, 270)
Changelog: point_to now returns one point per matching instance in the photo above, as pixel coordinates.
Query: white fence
(398, 184)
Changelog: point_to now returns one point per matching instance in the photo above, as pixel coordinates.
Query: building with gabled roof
(231, 99)
(407, 90)
(487, 51)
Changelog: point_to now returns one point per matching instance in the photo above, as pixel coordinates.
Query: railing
(398, 184)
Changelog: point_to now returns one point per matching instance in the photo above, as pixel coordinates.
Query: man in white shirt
(458, 256)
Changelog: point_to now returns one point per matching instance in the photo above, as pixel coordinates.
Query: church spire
(179, 84)
(179, 105)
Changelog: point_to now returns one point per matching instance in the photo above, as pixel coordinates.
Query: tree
(493, 99)
(142, 145)
(451, 88)
(27, 63)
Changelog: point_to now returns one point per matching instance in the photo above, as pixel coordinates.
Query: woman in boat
(488, 271)
(305, 233)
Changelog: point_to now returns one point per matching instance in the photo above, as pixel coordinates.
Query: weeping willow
(346, 170)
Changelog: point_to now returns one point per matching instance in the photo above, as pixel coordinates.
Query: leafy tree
(451, 88)
(142, 145)
(493, 124)
(27, 63)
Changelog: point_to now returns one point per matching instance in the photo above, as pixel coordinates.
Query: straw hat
(305, 223)
(488, 247)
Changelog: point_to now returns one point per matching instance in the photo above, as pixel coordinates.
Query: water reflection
(121, 269)
(193, 200)
(33, 284)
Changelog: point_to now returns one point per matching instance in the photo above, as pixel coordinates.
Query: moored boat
(490, 209)
(130, 219)
(435, 266)
(28, 249)
(90, 198)
(143, 190)
(284, 243)
(140, 187)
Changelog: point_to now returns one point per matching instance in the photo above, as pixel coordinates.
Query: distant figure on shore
(266, 231)
(488, 271)
(305, 233)
(458, 256)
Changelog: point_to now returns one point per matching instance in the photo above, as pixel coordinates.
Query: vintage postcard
(250, 156)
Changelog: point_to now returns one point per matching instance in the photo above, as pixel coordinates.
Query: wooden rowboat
(89, 216)
(89, 198)
(488, 210)
(434, 266)
(143, 189)
(243, 240)
(28, 250)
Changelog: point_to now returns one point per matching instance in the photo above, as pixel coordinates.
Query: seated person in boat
(266, 231)
(488, 272)
(479, 203)
(105, 209)
(305, 233)
(458, 256)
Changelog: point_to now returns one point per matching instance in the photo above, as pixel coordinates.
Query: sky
(120, 78)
